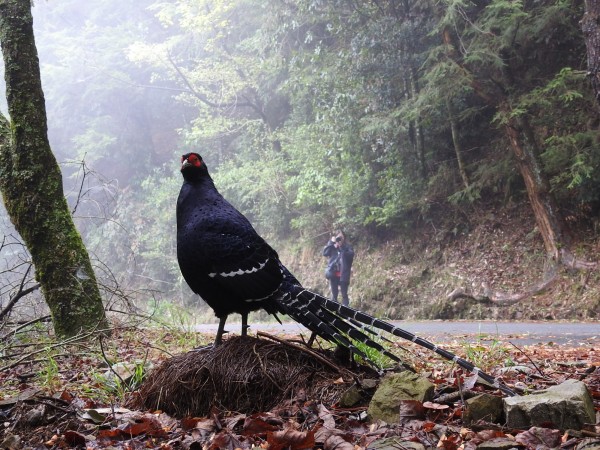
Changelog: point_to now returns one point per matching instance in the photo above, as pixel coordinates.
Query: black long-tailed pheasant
(234, 270)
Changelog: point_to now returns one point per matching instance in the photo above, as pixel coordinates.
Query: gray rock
(393, 389)
(501, 443)
(350, 397)
(567, 405)
(11, 442)
(369, 383)
(127, 372)
(483, 407)
(394, 443)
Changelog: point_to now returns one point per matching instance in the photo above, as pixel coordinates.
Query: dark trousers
(336, 286)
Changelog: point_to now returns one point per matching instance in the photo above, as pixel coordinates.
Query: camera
(338, 239)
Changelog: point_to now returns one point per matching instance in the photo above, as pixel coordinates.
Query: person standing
(339, 266)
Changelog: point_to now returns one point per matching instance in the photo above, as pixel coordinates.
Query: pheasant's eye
(192, 159)
(195, 160)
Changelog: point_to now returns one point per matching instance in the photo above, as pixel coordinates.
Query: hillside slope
(412, 278)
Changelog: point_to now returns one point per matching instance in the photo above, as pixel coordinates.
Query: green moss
(31, 185)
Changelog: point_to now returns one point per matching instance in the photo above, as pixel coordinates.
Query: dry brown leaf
(326, 416)
(469, 382)
(74, 439)
(261, 423)
(486, 435)
(451, 442)
(148, 424)
(232, 422)
(539, 438)
(113, 433)
(359, 428)
(296, 440)
(66, 396)
(429, 426)
(199, 423)
(224, 441)
(336, 442)
(410, 410)
(52, 442)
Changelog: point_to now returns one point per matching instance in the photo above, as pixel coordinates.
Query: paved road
(519, 333)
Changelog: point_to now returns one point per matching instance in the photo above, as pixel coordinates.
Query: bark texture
(590, 25)
(31, 184)
(458, 151)
(548, 218)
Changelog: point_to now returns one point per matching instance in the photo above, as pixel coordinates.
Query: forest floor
(54, 395)
(66, 396)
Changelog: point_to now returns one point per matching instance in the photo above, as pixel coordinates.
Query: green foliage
(374, 356)
(570, 142)
(258, 189)
(314, 115)
(487, 356)
(121, 379)
(50, 372)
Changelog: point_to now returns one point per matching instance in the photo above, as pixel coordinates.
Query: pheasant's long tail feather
(348, 328)
(340, 319)
(304, 313)
(369, 330)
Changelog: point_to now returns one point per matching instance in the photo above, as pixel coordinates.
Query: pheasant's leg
(245, 324)
(220, 331)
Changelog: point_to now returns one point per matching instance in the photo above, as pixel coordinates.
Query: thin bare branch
(68, 341)
(22, 326)
(20, 293)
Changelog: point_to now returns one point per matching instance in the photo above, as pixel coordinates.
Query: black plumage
(234, 270)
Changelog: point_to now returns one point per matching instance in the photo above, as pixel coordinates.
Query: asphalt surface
(519, 333)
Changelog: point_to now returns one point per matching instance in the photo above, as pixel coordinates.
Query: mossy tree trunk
(31, 184)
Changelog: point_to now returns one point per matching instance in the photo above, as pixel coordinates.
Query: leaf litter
(264, 394)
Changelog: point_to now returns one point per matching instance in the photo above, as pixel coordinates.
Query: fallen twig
(308, 351)
(71, 340)
(530, 360)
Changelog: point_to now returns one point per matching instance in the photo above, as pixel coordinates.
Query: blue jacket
(346, 256)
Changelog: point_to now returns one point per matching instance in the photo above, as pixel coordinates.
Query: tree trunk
(452, 117)
(548, 219)
(31, 184)
(419, 143)
(456, 142)
(590, 25)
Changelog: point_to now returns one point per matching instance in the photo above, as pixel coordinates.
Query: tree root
(502, 298)
(567, 259)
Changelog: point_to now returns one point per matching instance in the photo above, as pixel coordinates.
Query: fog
(311, 116)
(110, 127)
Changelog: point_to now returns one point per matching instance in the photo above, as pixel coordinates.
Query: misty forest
(447, 150)
(456, 143)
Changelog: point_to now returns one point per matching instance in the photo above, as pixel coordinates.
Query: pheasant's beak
(185, 164)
